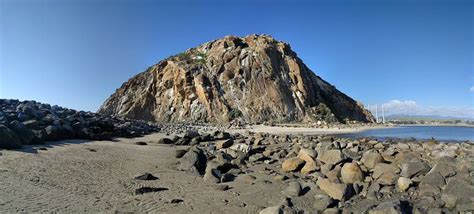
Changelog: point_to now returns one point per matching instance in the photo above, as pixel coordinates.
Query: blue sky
(76, 53)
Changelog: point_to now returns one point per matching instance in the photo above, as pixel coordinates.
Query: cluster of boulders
(30, 122)
(348, 175)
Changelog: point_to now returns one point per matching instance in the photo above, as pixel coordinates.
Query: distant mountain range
(424, 117)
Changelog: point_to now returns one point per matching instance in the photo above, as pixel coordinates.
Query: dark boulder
(8, 138)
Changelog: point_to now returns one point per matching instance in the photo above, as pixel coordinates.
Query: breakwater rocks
(30, 122)
(343, 175)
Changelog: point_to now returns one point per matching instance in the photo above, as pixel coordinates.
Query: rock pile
(30, 122)
(347, 175)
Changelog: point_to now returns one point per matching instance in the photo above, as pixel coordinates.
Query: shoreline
(307, 130)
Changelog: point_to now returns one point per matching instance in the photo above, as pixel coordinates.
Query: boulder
(194, 161)
(212, 174)
(371, 158)
(332, 156)
(351, 173)
(386, 174)
(432, 182)
(292, 164)
(307, 155)
(9, 139)
(414, 168)
(336, 191)
(459, 193)
(309, 167)
(25, 134)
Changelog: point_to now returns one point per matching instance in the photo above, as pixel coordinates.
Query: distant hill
(424, 117)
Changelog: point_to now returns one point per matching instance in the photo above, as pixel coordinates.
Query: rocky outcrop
(254, 79)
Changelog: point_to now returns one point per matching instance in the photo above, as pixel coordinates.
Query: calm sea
(457, 133)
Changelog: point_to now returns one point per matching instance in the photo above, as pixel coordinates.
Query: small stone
(146, 177)
(144, 190)
(351, 173)
(141, 143)
(292, 164)
(222, 144)
(403, 183)
(221, 187)
(280, 177)
(293, 189)
(176, 201)
(272, 210)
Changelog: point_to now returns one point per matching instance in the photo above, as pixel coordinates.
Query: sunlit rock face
(254, 79)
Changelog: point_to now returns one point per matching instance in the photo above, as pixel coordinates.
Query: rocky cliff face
(254, 79)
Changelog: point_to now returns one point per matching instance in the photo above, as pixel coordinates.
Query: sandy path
(304, 130)
(69, 178)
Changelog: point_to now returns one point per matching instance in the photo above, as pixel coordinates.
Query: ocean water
(456, 133)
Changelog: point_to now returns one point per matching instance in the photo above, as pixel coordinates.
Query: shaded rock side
(254, 78)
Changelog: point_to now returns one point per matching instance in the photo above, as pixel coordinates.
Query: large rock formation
(254, 78)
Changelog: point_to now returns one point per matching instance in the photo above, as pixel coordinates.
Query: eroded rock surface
(253, 79)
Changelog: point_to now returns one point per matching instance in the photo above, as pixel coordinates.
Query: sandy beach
(98, 176)
(305, 130)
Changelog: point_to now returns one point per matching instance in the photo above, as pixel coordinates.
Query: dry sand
(306, 130)
(68, 177)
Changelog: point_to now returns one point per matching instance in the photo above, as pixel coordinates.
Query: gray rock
(387, 208)
(8, 139)
(322, 202)
(293, 189)
(194, 161)
(461, 191)
(414, 168)
(386, 174)
(165, 140)
(371, 158)
(222, 144)
(25, 134)
(432, 182)
(336, 191)
(332, 156)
